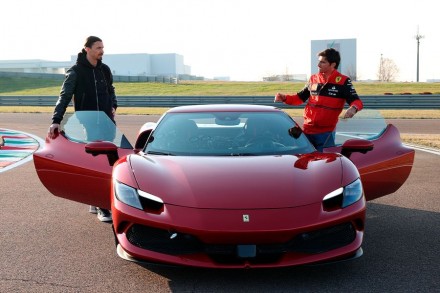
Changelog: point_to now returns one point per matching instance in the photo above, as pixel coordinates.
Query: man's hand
(279, 97)
(350, 112)
(53, 130)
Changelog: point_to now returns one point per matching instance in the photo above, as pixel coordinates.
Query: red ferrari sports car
(227, 186)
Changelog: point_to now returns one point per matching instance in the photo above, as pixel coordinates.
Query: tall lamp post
(418, 37)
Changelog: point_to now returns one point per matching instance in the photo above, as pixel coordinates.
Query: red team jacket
(325, 101)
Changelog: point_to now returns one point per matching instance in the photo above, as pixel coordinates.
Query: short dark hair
(90, 41)
(331, 55)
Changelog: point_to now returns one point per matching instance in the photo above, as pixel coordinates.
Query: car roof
(223, 108)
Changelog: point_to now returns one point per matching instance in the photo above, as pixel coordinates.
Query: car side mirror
(295, 132)
(144, 136)
(356, 146)
(103, 148)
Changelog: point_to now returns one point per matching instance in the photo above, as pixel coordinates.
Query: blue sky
(243, 39)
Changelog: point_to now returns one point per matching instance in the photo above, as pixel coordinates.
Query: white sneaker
(92, 210)
(104, 215)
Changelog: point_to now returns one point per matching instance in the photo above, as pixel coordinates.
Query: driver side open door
(68, 171)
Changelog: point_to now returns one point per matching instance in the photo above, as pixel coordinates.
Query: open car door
(67, 170)
(386, 167)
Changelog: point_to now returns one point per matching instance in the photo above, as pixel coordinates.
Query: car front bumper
(239, 238)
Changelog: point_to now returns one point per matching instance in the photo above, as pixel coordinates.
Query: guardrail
(371, 102)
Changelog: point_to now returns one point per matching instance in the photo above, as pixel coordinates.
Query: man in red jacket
(326, 94)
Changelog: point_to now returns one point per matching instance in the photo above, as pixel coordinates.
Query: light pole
(418, 37)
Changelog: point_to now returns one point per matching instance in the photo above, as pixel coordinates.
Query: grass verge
(428, 140)
(34, 86)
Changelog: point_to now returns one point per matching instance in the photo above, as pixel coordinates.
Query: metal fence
(371, 102)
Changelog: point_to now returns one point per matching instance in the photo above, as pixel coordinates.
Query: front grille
(174, 243)
(324, 240)
(163, 241)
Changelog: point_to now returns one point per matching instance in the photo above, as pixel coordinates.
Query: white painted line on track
(424, 149)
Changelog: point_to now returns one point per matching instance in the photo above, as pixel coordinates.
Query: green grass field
(34, 86)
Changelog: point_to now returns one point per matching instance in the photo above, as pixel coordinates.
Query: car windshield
(220, 133)
(88, 126)
(367, 124)
(227, 134)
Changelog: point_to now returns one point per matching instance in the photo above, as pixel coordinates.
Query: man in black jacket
(90, 83)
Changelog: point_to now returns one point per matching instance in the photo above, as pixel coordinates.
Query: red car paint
(235, 211)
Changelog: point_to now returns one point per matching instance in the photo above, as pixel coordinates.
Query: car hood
(238, 182)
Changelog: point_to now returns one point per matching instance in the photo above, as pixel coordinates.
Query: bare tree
(271, 77)
(388, 70)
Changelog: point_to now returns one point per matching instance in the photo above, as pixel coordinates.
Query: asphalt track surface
(50, 244)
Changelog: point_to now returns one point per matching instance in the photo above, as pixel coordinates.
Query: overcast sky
(242, 39)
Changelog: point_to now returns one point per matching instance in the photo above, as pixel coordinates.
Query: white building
(34, 66)
(171, 65)
(146, 64)
(347, 49)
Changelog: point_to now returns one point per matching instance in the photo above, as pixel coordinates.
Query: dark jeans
(322, 140)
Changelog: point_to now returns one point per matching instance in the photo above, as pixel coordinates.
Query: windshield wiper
(242, 154)
(160, 153)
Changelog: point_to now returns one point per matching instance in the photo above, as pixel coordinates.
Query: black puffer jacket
(91, 88)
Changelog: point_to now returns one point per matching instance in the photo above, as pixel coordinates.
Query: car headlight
(136, 198)
(343, 196)
(352, 193)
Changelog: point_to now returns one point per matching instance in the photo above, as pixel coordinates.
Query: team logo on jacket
(333, 91)
(338, 79)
